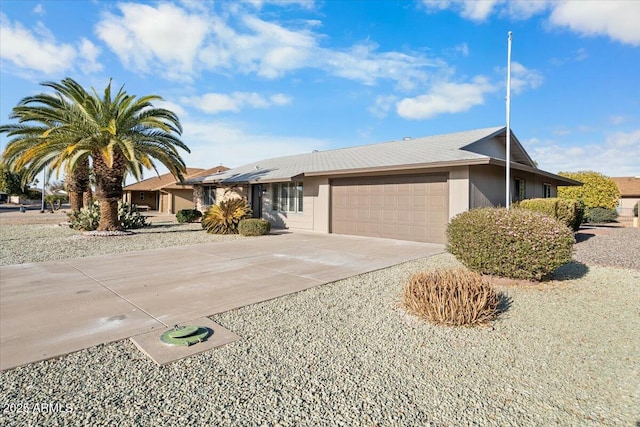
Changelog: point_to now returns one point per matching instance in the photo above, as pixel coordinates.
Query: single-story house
(629, 187)
(164, 193)
(407, 189)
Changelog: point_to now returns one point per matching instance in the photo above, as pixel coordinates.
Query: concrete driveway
(53, 308)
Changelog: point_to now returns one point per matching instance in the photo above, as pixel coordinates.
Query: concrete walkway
(53, 308)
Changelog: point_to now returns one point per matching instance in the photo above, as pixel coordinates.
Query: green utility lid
(185, 335)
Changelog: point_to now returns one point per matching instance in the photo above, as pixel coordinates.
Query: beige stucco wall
(222, 193)
(458, 191)
(487, 185)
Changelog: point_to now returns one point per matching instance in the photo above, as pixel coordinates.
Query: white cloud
(524, 78)
(177, 43)
(618, 120)
(616, 156)
(171, 106)
(214, 103)
(217, 142)
(616, 19)
(89, 57)
(382, 106)
(446, 98)
(363, 63)
(39, 9)
(148, 39)
(37, 51)
(304, 4)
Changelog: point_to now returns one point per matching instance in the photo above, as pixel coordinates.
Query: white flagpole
(508, 156)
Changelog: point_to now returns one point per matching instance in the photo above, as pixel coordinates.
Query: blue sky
(257, 79)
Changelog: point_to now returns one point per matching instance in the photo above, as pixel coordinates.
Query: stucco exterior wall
(487, 186)
(458, 191)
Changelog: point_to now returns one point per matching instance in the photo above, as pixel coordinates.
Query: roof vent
(314, 151)
(257, 167)
(407, 138)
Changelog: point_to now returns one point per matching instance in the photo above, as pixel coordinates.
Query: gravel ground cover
(565, 352)
(619, 247)
(22, 243)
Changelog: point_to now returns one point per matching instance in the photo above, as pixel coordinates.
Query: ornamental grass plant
(455, 297)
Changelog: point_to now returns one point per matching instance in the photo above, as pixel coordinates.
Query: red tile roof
(629, 186)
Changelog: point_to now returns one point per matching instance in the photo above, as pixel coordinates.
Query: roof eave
(525, 168)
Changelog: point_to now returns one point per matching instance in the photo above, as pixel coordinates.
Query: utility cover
(185, 335)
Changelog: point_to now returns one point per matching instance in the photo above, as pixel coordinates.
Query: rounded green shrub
(601, 215)
(569, 211)
(188, 215)
(515, 243)
(254, 227)
(635, 210)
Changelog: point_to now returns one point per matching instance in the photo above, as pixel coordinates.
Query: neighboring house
(164, 193)
(407, 189)
(629, 194)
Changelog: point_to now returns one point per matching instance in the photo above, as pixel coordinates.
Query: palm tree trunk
(75, 200)
(77, 181)
(87, 197)
(109, 189)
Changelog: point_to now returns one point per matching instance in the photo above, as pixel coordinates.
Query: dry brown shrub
(451, 297)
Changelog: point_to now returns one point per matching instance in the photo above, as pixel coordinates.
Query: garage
(406, 207)
(182, 199)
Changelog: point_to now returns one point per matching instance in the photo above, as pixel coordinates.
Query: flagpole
(508, 143)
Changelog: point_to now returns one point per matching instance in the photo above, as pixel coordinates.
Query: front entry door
(256, 200)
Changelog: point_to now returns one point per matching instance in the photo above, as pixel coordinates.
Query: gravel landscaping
(565, 352)
(50, 242)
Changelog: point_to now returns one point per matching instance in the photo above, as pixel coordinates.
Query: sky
(257, 79)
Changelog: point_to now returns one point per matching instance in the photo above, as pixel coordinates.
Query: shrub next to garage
(516, 243)
(569, 211)
(254, 227)
(188, 215)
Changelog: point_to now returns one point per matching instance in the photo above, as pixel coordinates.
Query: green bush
(254, 227)
(223, 218)
(601, 215)
(515, 243)
(188, 215)
(88, 218)
(635, 210)
(569, 211)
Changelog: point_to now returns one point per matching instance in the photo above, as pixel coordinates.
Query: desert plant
(188, 215)
(451, 297)
(569, 211)
(515, 243)
(596, 191)
(129, 217)
(254, 227)
(601, 215)
(224, 217)
(88, 217)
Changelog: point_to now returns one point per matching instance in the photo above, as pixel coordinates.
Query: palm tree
(120, 134)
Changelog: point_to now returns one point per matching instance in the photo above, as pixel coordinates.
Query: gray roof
(415, 152)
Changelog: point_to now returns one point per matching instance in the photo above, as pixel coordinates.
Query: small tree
(10, 182)
(597, 191)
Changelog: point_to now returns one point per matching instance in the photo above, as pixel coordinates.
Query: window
(287, 197)
(141, 195)
(208, 195)
(546, 191)
(521, 189)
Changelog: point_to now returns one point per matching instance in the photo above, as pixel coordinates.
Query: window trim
(209, 194)
(290, 193)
